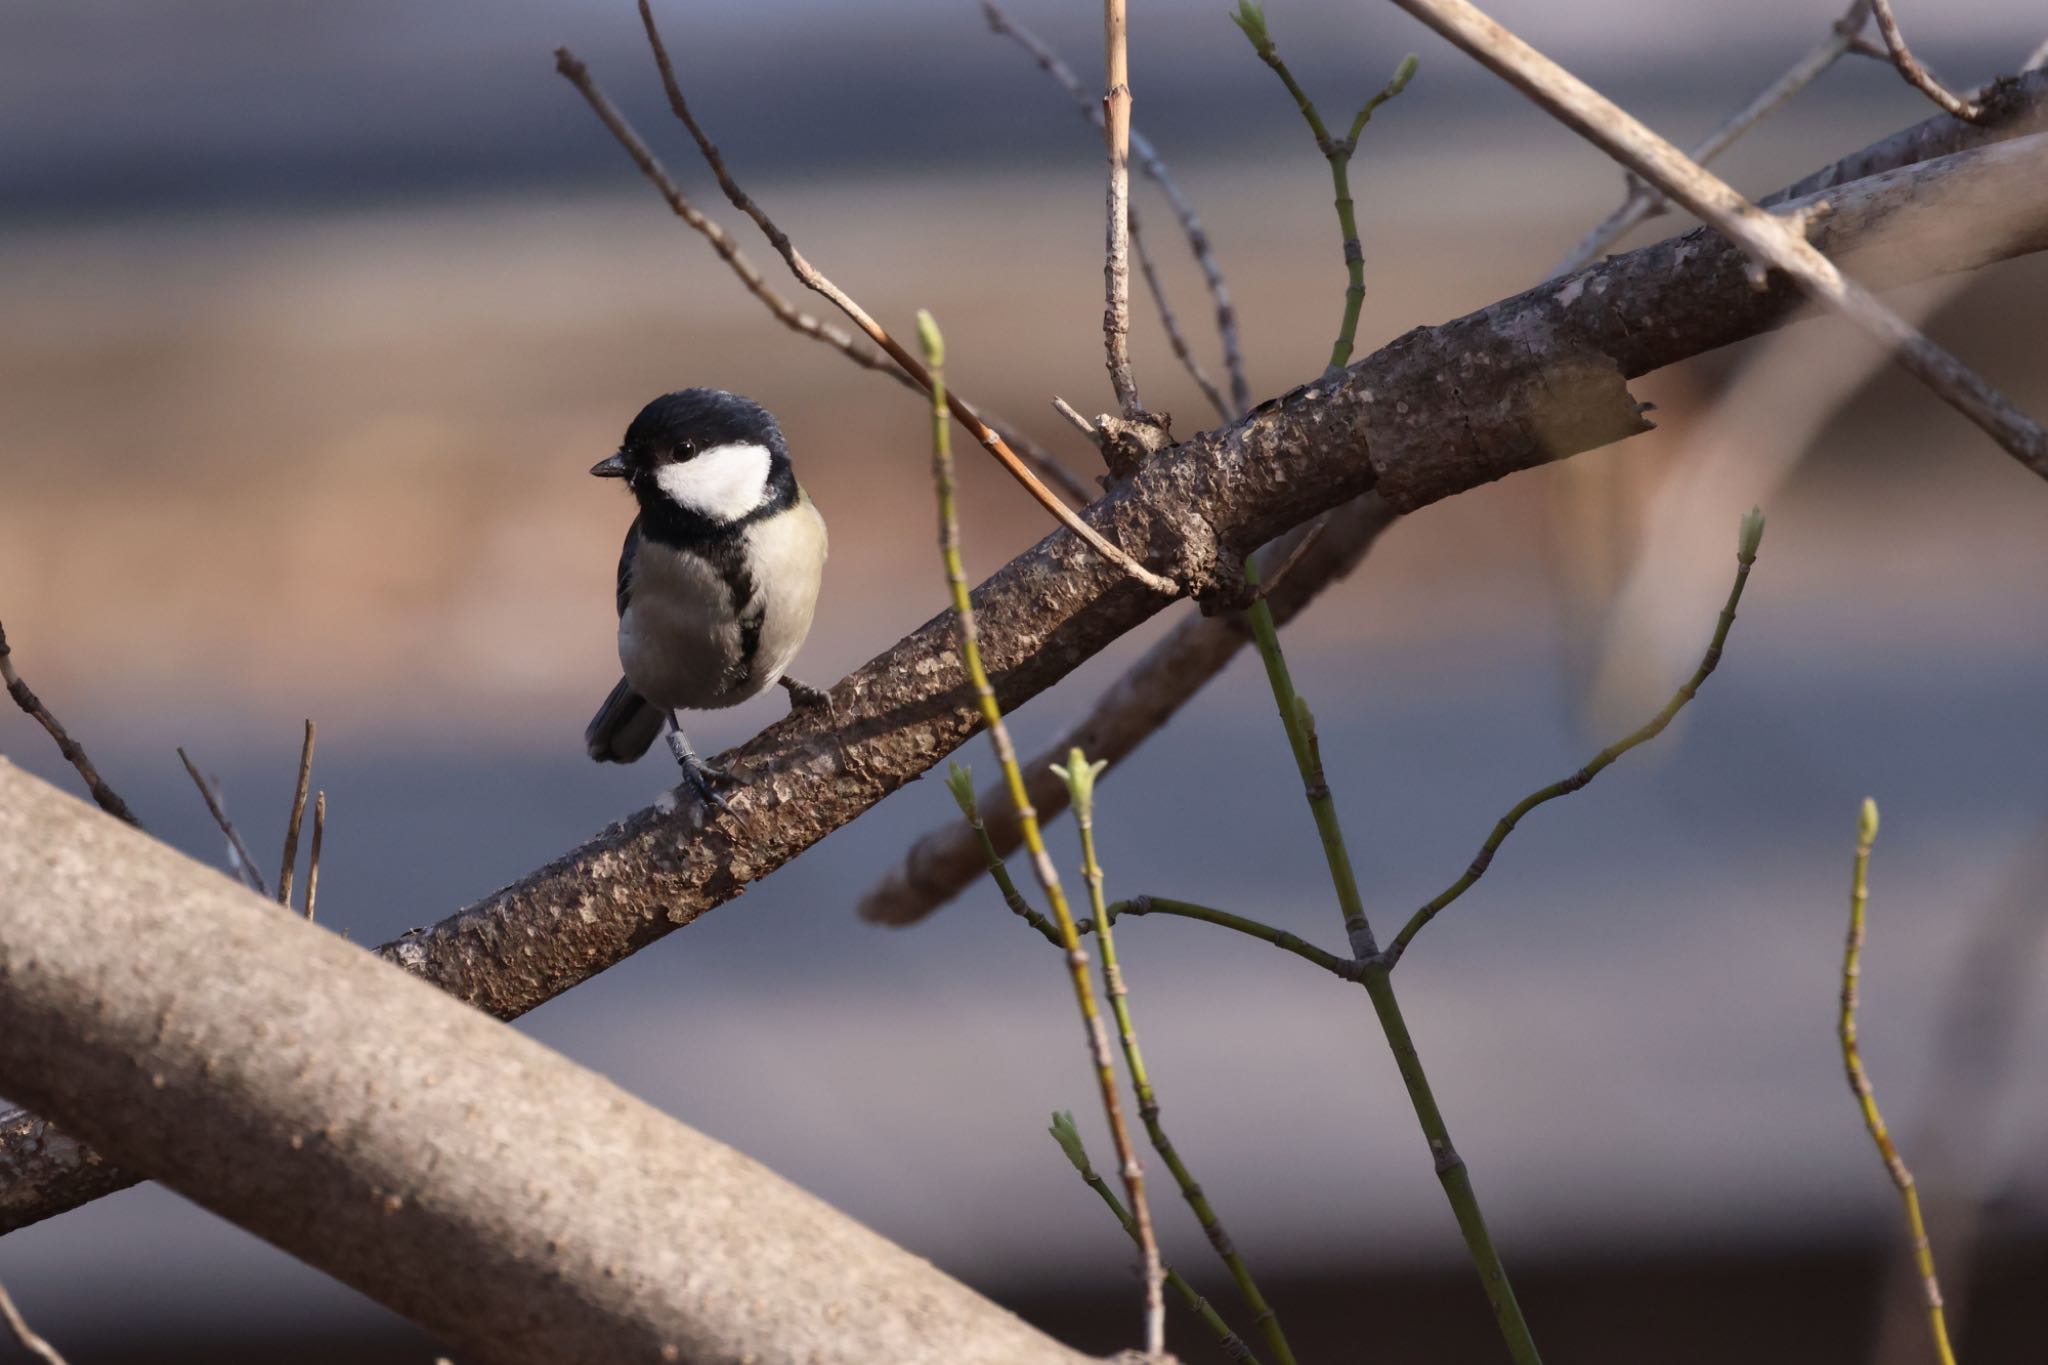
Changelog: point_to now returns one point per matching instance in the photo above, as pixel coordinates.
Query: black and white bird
(719, 576)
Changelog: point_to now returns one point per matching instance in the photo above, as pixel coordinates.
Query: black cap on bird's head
(682, 425)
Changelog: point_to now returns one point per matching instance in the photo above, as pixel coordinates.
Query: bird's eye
(685, 449)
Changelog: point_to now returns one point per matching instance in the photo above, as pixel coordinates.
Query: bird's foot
(803, 696)
(702, 780)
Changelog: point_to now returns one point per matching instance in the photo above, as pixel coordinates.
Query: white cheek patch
(723, 483)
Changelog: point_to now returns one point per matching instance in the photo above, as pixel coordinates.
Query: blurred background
(315, 316)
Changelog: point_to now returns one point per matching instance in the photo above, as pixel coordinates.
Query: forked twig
(1154, 166)
(1866, 1098)
(104, 796)
(238, 852)
(289, 862)
(780, 308)
(1917, 75)
(1642, 201)
(1770, 241)
(812, 278)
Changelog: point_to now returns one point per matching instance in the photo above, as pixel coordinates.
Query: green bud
(928, 337)
(1069, 1138)
(960, 781)
(1251, 18)
(1079, 775)
(1403, 74)
(1866, 822)
(1752, 535)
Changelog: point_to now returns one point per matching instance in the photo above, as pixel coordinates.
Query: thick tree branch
(1530, 379)
(292, 1084)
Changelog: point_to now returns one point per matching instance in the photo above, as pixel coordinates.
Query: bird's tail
(623, 727)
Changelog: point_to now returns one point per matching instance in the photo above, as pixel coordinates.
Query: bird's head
(705, 454)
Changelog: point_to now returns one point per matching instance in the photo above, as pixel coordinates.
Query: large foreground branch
(518, 1206)
(1530, 379)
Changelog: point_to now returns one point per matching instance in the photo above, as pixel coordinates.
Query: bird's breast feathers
(714, 625)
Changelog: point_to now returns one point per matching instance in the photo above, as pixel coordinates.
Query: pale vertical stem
(1034, 840)
(1866, 1097)
(1081, 775)
(1116, 264)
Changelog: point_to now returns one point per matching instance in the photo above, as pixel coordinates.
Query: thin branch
(290, 860)
(1251, 18)
(1075, 419)
(23, 1333)
(238, 852)
(1068, 1136)
(969, 637)
(944, 861)
(1451, 1171)
(1770, 241)
(1341, 967)
(1642, 201)
(812, 278)
(1080, 775)
(104, 796)
(1154, 166)
(780, 308)
(1116, 249)
(1866, 1098)
(960, 780)
(313, 856)
(1541, 378)
(1167, 320)
(1749, 538)
(1917, 75)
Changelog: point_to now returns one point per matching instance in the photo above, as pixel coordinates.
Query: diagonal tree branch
(269, 1071)
(1916, 75)
(1528, 380)
(1642, 201)
(1775, 242)
(104, 796)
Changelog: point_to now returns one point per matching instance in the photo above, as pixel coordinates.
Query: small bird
(718, 579)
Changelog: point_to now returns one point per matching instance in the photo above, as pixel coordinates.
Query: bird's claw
(704, 780)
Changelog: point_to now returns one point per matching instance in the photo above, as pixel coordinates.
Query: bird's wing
(626, 553)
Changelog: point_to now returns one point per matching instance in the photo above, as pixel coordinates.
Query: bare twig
(969, 637)
(1866, 1098)
(780, 308)
(1068, 1136)
(104, 796)
(1150, 162)
(1075, 419)
(1917, 75)
(1769, 240)
(238, 852)
(290, 861)
(1174, 337)
(1750, 536)
(23, 1333)
(944, 861)
(313, 855)
(1116, 249)
(2036, 59)
(812, 278)
(1642, 201)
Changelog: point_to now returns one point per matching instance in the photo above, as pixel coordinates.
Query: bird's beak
(612, 466)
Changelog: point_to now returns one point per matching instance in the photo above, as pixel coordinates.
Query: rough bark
(520, 1207)
(1530, 379)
